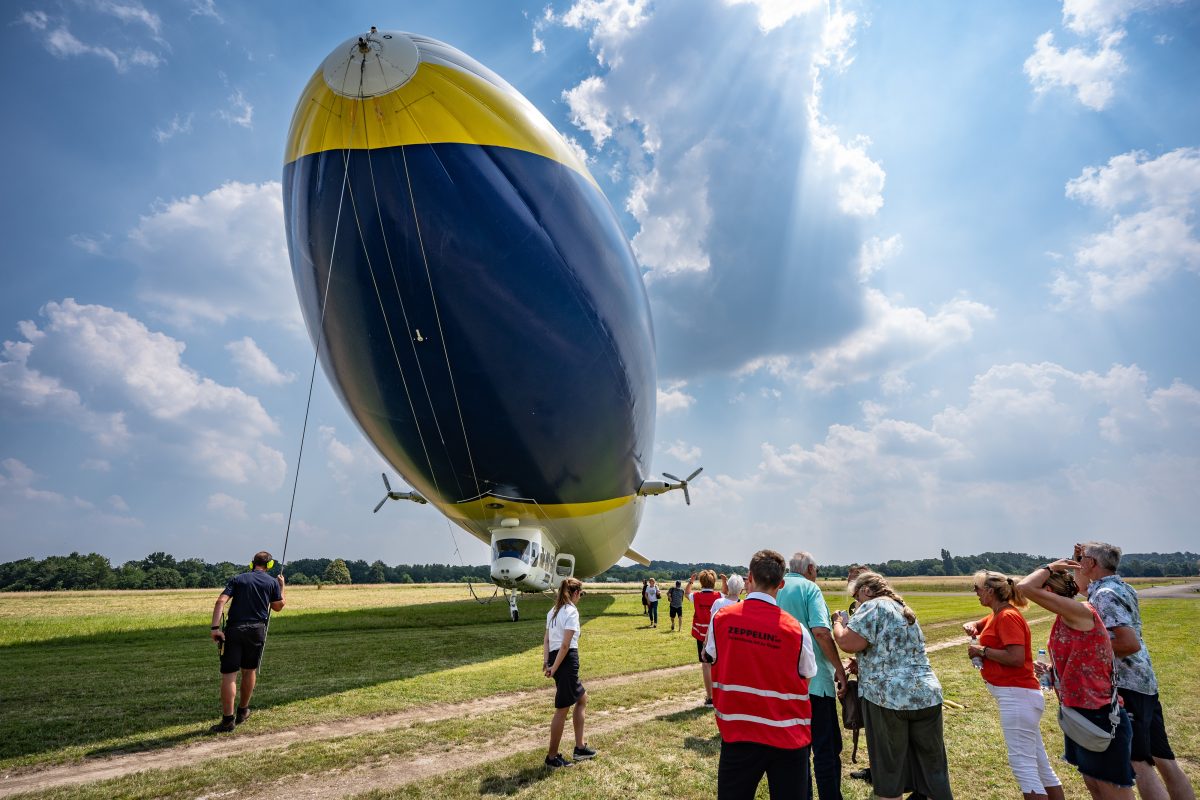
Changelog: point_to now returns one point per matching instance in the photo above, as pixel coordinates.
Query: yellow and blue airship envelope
(477, 307)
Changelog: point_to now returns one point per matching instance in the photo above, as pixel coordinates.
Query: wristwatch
(215, 628)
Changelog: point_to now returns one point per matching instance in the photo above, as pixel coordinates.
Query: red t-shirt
(997, 632)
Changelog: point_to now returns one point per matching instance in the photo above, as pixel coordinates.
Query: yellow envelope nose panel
(438, 104)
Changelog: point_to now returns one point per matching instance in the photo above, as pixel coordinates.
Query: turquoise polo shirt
(802, 598)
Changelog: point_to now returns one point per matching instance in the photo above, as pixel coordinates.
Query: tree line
(162, 570)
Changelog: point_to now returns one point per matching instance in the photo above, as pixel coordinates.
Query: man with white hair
(1117, 604)
(801, 597)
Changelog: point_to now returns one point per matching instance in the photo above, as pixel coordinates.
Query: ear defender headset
(270, 564)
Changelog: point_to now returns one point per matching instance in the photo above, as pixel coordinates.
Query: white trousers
(1020, 719)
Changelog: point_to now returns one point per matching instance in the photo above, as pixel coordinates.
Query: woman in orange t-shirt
(1004, 646)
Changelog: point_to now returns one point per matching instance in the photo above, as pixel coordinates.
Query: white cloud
(148, 394)
(1101, 16)
(20, 480)
(205, 8)
(217, 256)
(61, 43)
(892, 339)
(96, 465)
(93, 245)
(240, 112)
(1090, 75)
(612, 22)
(1148, 240)
(746, 199)
(774, 14)
(1038, 451)
(355, 464)
(176, 126)
(256, 365)
(876, 252)
(37, 20)
(589, 111)
(672, 397)
(118, 503)
(683, 452)
(226, 505)
(131, 12)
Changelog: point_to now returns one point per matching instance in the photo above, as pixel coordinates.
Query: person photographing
(254, 595)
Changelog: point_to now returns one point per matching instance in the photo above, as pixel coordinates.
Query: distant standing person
(1006, 649)
(560, 661)
(901, 697)
(802, 598)
(652, 602)
(734, 585)
(645, 600)
(675, 603)
(702, 603)
(762, 663)
(1117, 604)
(254, 594)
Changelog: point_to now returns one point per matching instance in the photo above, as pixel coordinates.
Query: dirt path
(400, 772)
(102, 769)
(390, 774)
(1190, 591)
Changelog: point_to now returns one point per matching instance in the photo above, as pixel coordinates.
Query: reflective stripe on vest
(774, 723)
(703, 601)
(758, 692)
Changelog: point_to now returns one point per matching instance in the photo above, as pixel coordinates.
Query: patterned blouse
(893, 672)
(1083, 661)
(1117, 604)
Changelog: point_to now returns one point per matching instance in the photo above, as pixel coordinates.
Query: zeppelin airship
(474, 304)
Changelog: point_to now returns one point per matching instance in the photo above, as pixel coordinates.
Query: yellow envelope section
(438, 104)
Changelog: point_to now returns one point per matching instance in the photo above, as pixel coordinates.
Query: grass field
(97, 674)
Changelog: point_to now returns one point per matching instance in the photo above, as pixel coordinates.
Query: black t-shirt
(252, 593)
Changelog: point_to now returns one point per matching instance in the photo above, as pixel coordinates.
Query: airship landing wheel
(512, 607)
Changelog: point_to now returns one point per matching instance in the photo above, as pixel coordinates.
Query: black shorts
(700, 654)
(1112, 765)
(676, 612)
(567, 688)
(1149, 731)
(244, 643)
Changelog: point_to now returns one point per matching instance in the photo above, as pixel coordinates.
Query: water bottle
(977, 661)
(1046, 679)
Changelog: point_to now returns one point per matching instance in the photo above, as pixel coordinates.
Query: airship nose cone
(371, 64)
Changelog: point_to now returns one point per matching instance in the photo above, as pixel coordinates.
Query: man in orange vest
(702, 603)
(761, 665)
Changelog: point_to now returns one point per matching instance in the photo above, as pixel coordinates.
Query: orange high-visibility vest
(758, 692)
(703, 602)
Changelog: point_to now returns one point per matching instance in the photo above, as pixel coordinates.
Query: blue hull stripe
(548, 343)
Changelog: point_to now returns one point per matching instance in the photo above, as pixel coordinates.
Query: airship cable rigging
(388, 325)
(437, 316)
(317, 350)
(407, 326)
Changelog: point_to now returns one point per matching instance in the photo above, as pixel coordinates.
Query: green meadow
(91, 675)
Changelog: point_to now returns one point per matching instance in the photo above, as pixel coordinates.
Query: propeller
(683, 483)
(391, 495)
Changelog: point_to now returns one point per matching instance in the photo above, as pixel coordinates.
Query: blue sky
(922, 276)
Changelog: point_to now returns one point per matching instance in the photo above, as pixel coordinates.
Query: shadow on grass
(80, 691)
(511, 784)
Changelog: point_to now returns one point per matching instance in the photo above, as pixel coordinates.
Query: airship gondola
(474, 303)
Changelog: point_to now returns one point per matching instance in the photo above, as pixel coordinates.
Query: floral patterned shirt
(893, 672)
(1083, 664)
(1117, 604)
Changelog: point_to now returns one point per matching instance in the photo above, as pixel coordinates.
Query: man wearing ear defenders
(254, 594)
